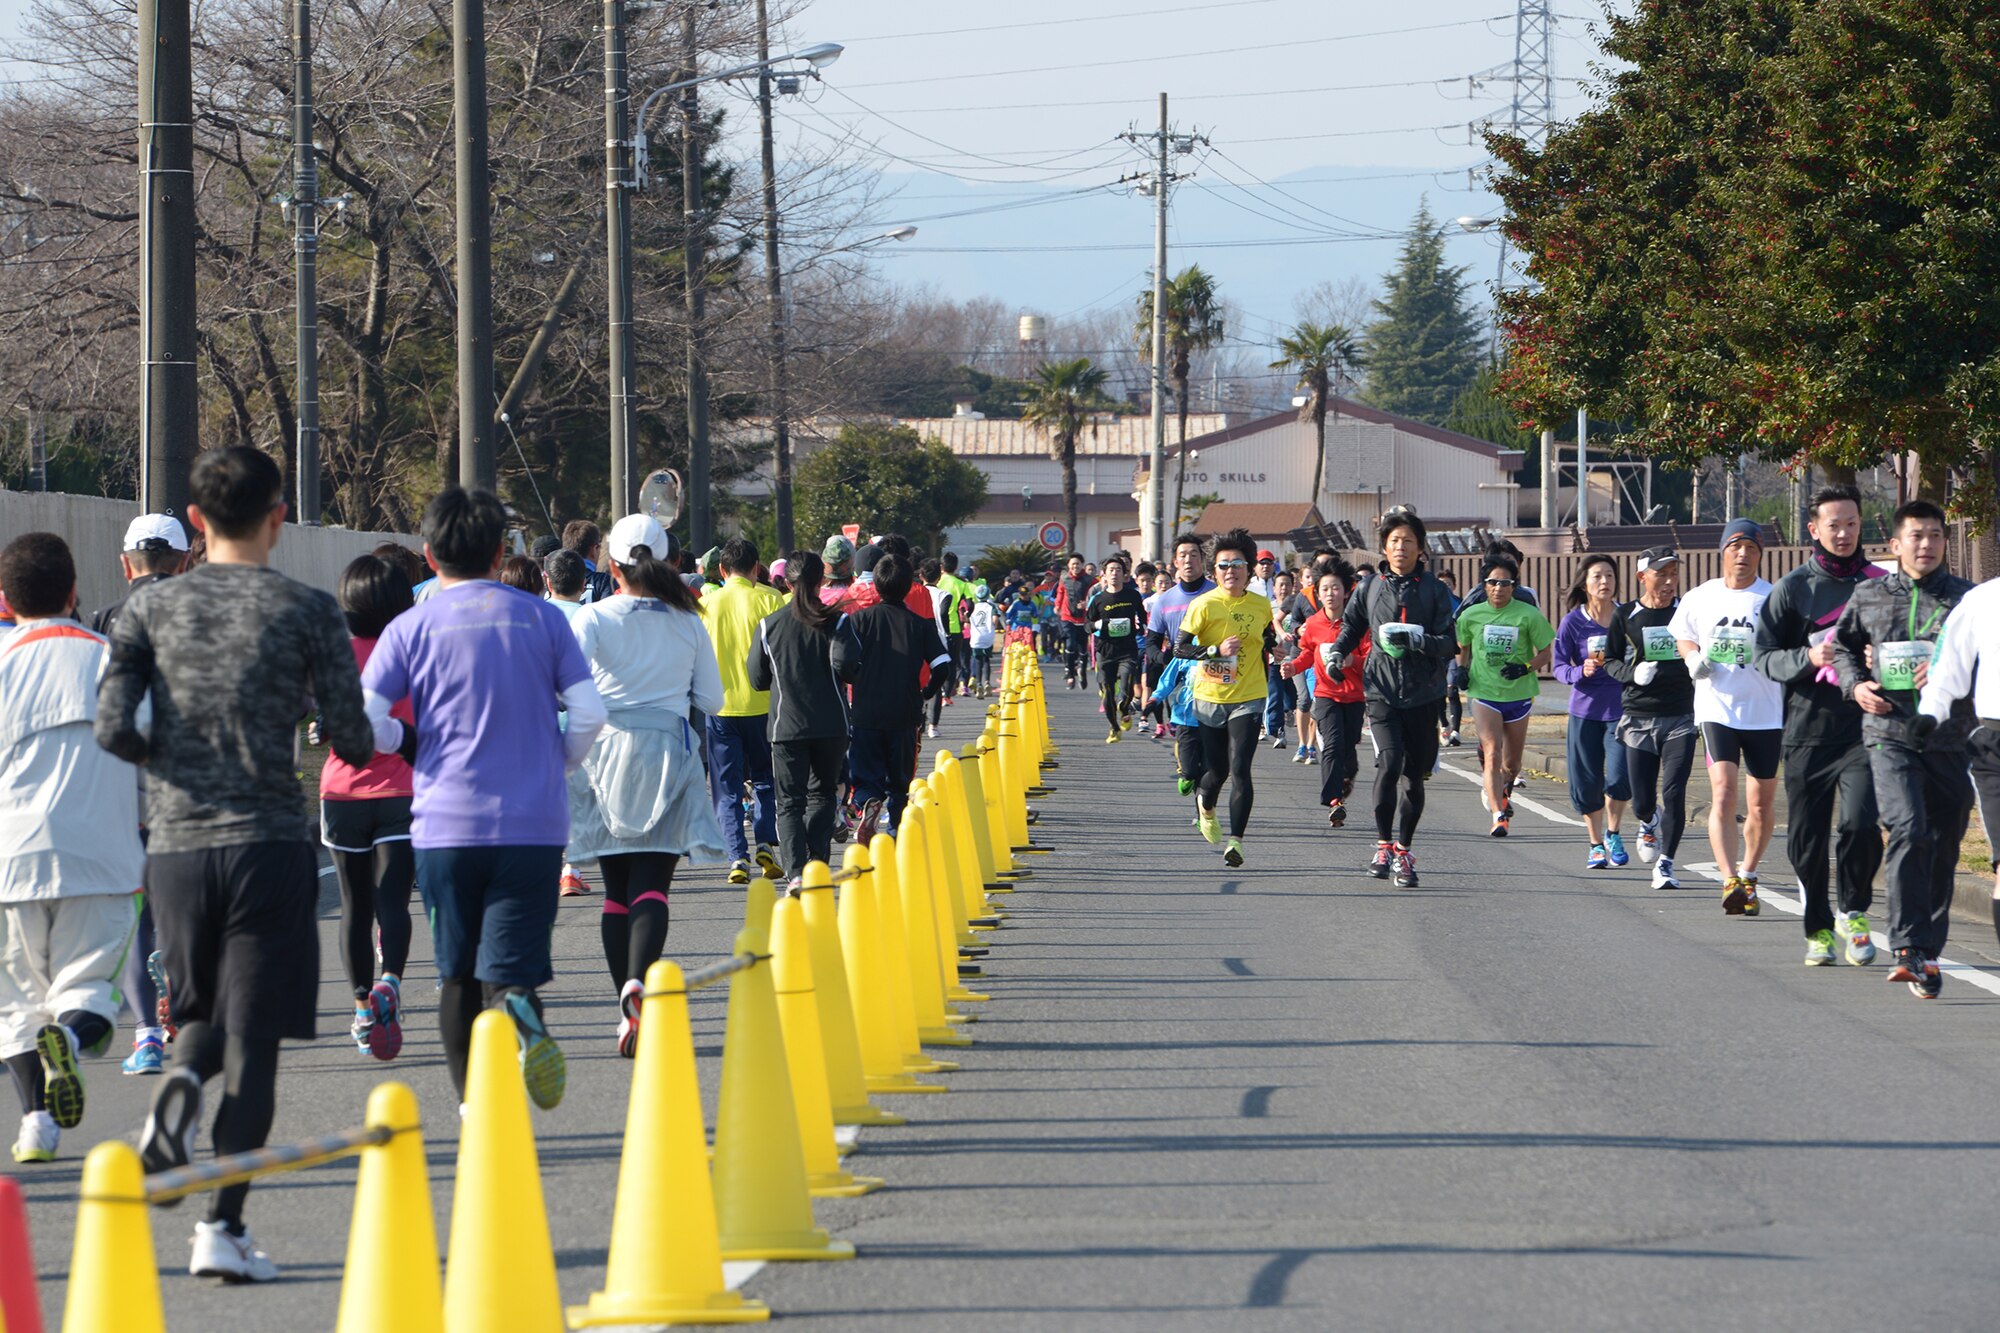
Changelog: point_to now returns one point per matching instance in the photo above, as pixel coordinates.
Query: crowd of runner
(497, 723)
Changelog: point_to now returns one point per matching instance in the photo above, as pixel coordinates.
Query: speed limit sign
(1053, 535)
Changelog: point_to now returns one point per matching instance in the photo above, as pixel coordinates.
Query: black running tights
(1406, 749)
(1659, 787)
(375, 891)
(249, 1069)
(1226, 753)
(634, 924)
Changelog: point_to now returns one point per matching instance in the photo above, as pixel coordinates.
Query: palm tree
(1194, 324)
(1321, 355)
(1065, 394)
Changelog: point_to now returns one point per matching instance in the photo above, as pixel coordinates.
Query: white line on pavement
(1966, 972)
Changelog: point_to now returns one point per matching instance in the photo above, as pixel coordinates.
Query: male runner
(956, 618)
(1883, 643)
(230, 653)
(1163, 628)
(738, 738)
(1117, 619)
(1656, 725)
(1228, 633)
(1409, 614)
(1824, 753)
(1741, 712)
(1967, 665)
(1073, 613)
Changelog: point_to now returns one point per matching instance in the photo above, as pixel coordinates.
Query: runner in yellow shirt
(1228, 633)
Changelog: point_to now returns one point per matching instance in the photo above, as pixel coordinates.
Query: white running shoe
(1649, 842)
(1663, 874)
(38, 1138)
(231, 1258)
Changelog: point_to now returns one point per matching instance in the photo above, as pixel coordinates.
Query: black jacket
(1416, 678)
(1671, 691)
(807, 672)
(896, 645)
(108, 617)
(1881, 612)
(1803, 603)
(1127, 605)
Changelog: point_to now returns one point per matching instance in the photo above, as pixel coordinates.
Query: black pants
(1339, 732)
(1814, 774)
(884, 761)
(636, 911)
(1187, 752)
(1926, 800)
(1120, 677)
(1226, 754)
(1076, 651)
(806, 778)
(375, 892)
(1406, 744)
(1659, 787)
(1984, 748)
(249, 1069)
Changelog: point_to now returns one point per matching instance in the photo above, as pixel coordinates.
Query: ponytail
(806, 572)
(649, 577)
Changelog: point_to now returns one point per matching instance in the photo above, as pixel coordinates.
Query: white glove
(1699, 667)
(1643, 673)
(1327, 657)
(1409, 637)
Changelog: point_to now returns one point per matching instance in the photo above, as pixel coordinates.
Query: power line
(1255, 243)
(1051, 23)
(1191, 97)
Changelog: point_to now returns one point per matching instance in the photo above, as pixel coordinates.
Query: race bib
(1118, 627)
(1898, 662)
(1659, 644)
(1499, 642)
(1594, 646)
(1220, 670)
(1731, 646)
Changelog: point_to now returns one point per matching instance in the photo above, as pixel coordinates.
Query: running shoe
(1909, 965)
(1614, 847)
(1277, 742)
(233, 1258)
(1384, 855)
(1931, 984)
(1735, 893)
(1206, 822)
(385, 1006)
(363, 1026)
(1751, 903)
(1859, 946)
(1663, 874)
(1597, 860)
(156, 969)
(1312, 754)
(739, 872)
(542, 1063)
(870, 822)
(1232, 855)
(1452, 740)
(1819, 948)
(1113, 738)
(1336, 815)
(148, 1056)
(38, 1138)
(766, 857)
(1184, 785)
(1159, 731)
(629, 1001)
(1299, 755)
(572, 887)
(167, 1141)
(1406, 868)
(931, 730)
(62, 1083)
(1499, 829)
(1649, 842)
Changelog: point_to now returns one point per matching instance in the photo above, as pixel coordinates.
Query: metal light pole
(169, 410)
(774, 298)
(693, 261)
(305, 250)
(1163, 522)
(477, 465)
(618, 185)
(1582, 469)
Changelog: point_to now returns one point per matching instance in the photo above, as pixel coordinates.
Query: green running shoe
(1184, 785)
(1205, 821)
(542, 1064)
(1232, 855)
(1856, 938)
(62, 1084)
(1819, 948)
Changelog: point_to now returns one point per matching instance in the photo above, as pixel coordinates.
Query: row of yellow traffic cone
(839, 1005)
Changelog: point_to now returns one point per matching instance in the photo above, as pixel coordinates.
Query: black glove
(407, 751)
(1922, 727)
(1513, 671)
(1457, 677)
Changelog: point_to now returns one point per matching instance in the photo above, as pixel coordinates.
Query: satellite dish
(660, 496)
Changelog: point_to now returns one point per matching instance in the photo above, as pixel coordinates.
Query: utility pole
(1731, 489)
(1550, 514)
(618, 187)
(692, 264)
(305, 251)
(1582, 469)
(1158, 528)
(169, 410)
(477, 465)
(774, 297)
(38, 449)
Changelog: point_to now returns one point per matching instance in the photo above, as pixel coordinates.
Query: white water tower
(1034, 331)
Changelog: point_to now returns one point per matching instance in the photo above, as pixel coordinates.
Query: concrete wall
(95, 530)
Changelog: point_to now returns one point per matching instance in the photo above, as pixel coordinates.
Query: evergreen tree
(1423, 351)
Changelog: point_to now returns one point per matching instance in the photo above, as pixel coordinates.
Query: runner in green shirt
(1502, 645)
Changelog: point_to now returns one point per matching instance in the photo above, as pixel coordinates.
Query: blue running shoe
(1596, 860)
(1614, 846)
(542, 1063)
(148, 1057)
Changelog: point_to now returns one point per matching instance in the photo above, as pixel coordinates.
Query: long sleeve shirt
(1967, 661)
(1597, 697)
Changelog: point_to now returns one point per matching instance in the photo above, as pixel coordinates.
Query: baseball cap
(1267, 555)
(155, 532)
(837, 549)
(1654, 557)
(778, 568)
(1740, 529)
(636, 530)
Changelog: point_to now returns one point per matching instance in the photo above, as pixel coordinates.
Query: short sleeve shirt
(1515, 632)
(1215, 616)
(1723, 621)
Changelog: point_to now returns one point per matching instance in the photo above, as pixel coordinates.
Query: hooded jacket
(1896, 608)
(1417, 677)
(807, 673)
(1804, 604)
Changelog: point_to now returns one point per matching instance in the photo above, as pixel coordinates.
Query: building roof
(1127, 436)
(1349, 408)
(1260, 520)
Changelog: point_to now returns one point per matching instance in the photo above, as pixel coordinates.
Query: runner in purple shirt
(481, 663)
(1190, 582)
(1598, 786)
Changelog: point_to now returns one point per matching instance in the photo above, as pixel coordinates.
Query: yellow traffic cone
(665, 1265)
(114, 1284)
(974, 782)
(994, 783)
(757, 902)
(945, 906)
(395, 1285)
(896, 947)
(868, 983)
(930, 951)
(501, 1274)
(761, 1197)
(951, 867)
(950, 782)
(839, 1032)
(805, 1055)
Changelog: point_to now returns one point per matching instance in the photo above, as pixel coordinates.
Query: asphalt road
(1291, 1096)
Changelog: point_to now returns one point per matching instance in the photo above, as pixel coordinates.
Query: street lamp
(625, 161)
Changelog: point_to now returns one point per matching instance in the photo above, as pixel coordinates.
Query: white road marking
(1966, 972)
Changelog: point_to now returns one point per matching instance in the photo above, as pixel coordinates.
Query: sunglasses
(1232, 564)
(1499, 583)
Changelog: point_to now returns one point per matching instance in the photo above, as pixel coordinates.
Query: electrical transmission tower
(1532, 105)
